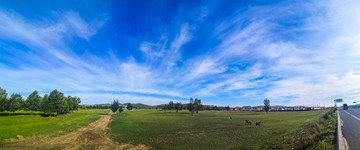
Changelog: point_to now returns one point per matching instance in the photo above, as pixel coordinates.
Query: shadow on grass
(104, 114)
(7, 114)
(27, 114)
(249, 114)
(245, 125)
(167, 113)
(47, 115)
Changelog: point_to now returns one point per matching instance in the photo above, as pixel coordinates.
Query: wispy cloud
(294, 53)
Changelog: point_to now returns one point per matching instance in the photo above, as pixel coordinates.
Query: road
(351, 127)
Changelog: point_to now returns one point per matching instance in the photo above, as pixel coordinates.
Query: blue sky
(224, 52)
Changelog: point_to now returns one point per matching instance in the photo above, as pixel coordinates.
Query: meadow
(26, 125)
(161, 129)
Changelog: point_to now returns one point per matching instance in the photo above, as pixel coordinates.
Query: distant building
(277, 108)
(236, 108)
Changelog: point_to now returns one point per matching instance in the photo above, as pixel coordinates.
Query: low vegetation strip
(33, 125)
(161, 129)
(317, 135)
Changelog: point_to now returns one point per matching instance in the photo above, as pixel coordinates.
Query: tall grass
(317, 135)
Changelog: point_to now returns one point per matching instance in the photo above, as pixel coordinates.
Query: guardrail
(340, 140)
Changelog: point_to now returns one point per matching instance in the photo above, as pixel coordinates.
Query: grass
(209, 129)
(27, 125)
(320, 134)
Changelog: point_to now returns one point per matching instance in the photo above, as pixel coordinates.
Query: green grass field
(27, 125)
(209, 129)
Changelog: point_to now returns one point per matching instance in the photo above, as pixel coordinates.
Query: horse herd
(248, 122)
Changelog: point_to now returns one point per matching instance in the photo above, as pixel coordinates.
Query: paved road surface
(351, 127)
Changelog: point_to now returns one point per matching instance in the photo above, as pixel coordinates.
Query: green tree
(3, 100)
(45, 103)
(129, 106)
(197, 105)
(14, 103)
(165, 107)
(84, 107)
(267, 105)
(61, 104)
(227, 107)
(191, 106)
(115, 106)
(68, 104)
(121, 109)
(76, 104)
(33, 102)
(171, 105)
(56, 102)
(178, 106)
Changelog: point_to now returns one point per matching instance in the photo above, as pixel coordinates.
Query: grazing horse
(258, 123)
(248, 122)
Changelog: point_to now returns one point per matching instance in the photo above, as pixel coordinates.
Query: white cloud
(173, 54)
(319, 64)
(91, 98)
(152, 49)
(82, 29)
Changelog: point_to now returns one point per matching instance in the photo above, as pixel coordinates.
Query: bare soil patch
(90, 137)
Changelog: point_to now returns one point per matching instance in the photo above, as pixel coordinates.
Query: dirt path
(90, 137)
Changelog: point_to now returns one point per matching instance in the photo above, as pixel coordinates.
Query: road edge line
(341, 142)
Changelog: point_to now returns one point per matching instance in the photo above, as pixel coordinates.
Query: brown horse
(258, 123)
(248, 122)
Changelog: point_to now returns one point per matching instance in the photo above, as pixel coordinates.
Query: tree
(60, 104)
(76, 103)
(14, 103)
(171, 105)
(191, 106)
(84, 107)
(55, 102)
(45, 103)
(197, 105)
(68, 104)
(178, 106)
(33, 102)
(267, 105)
(227, 108)
(129, 106)
(121, 109)
(165, 107)
(115, 106)
(3, 100)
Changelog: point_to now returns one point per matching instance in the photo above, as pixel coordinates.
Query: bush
(121, 109)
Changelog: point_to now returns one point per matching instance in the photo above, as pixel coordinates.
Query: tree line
(173, 106)
(117, 106)
(193, 106)
(55, 102)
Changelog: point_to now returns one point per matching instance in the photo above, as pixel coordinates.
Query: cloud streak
(221, 54)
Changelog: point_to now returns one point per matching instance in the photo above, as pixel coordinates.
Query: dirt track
(90, 137)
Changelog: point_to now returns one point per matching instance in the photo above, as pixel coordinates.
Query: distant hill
(139, 105)
(136, 105)
(103, 104)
